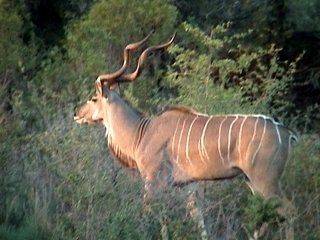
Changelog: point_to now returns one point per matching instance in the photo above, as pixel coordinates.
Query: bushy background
(57, 179)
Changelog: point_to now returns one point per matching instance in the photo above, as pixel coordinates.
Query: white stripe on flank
(199, 150)
(240, 133)
(279, 137)
(254, 133)
(174, 136)
(219, 138)
(203, 147)
(229, 136)
(253, 115)
(179, 143)
(264, 130)
(188, 139)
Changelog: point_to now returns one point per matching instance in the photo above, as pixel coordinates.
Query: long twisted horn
(126, 56)
(132, 76)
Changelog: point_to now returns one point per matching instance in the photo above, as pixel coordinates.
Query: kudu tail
(293, 139)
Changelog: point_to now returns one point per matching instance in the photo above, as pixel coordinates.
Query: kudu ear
(106, 90)
(102, 89)
(98, 87)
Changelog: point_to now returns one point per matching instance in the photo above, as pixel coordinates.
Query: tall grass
(62, 184)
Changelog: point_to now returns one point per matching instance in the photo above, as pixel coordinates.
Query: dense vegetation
(57, 181)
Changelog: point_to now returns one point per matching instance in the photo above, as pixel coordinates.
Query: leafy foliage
(242, 80)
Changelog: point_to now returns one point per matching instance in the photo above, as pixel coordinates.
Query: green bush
(25, 232)
(239, 80)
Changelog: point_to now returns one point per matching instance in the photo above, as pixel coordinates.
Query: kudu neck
(122, 121)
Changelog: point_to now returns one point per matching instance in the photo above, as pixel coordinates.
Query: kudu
(181, 145)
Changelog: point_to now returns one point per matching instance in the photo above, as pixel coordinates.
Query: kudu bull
(182, 145)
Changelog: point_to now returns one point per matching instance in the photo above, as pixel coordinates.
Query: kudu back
(180, 145)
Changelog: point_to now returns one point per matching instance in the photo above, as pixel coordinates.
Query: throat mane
(124, 159)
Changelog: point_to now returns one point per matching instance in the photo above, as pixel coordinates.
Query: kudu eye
(94, 99)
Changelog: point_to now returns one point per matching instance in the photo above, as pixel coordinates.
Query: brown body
(180, 145)
(200, 147)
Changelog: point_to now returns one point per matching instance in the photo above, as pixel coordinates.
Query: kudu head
(95, 110)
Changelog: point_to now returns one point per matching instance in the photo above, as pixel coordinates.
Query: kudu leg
(152, 193)
(288, 212)
(195, 206)
(271, 189)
